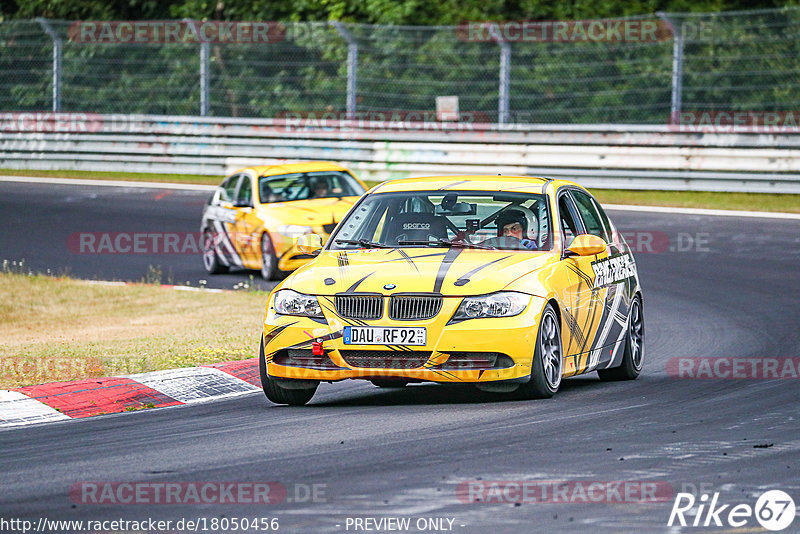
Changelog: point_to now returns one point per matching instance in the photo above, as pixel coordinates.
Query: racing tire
(548, 361)
(210, 259)
(269, 262)
(276, 393)
(633, 355)
(386, 383)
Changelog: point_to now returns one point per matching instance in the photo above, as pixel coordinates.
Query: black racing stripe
(464, 279)
(272, 334)
(574, 329)
(448, 186)
(449, 257)
(585, 277)
(421, 256)
(354, 286)
(408, 259)
(590, 320)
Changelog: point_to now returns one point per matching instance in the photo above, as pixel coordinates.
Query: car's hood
(453, 271)
(312, 212)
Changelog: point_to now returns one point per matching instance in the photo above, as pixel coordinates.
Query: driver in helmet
(319, 188)
(516, 226)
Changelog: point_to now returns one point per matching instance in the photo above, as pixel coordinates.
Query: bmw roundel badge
(389, 286)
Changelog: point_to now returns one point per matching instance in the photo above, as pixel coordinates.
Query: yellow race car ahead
(254, 217)
(507, 283)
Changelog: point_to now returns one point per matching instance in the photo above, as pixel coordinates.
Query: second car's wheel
(547, 363)
(269, 262)
(387, 383)
(277, 393)
(210, 259)
(633, 356)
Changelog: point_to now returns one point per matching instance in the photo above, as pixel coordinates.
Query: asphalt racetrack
(729, 287)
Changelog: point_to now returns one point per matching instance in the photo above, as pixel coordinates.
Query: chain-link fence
(723, 61)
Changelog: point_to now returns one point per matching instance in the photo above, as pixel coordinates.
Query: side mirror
(309, 244)
(585, 245)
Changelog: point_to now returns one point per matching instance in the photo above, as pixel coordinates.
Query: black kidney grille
(414, 307)
(359, 306)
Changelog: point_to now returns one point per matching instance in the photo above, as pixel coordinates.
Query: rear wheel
(269, 262)
(633, 357)
(210, 258)
(277, 393)
(546, 367)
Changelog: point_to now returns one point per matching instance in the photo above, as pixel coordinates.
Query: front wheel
(547, 362)
(278, 394)
(633, 357)
(210, 258)
(269, 262)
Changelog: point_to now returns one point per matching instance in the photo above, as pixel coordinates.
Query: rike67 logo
(774, 510)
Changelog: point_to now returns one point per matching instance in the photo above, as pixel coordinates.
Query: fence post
(505, 81)
(352, 66)
(204, 78)
(505, 74)
(676, 100)
(56, 62)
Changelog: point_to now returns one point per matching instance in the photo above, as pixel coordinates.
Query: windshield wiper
(364, 243)
(446, 243)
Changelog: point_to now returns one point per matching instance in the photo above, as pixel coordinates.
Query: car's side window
(588, 212)
(228, 188)
(569, 227)
(244, 197)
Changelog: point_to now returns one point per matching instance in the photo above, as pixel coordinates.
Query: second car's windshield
(483, 219)
(307, 185)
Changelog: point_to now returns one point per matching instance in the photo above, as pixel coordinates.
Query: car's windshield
(307, 185)
(479, 219)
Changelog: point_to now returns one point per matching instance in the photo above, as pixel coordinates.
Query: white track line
(700, 211)
(106, 183)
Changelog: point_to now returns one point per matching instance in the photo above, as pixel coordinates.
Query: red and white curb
(58, 401)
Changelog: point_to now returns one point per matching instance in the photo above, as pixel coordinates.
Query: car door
(220, 219)
(247, 225)
(584, 314)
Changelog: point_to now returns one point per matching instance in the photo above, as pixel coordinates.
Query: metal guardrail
(599, 156)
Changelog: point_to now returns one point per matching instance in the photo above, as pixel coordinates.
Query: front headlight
(293, 231)
(503, 304)
(288, 302)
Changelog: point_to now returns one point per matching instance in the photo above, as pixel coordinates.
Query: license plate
(385, 335)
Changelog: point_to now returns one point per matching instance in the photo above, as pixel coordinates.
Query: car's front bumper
(453, 352)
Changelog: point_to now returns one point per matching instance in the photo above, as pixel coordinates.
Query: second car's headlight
(294, 231)
(288, 302)
(503, 304)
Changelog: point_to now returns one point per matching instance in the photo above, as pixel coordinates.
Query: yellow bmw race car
(508, 283)
(254, 217)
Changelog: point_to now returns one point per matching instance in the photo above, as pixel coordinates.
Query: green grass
(683, 199)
